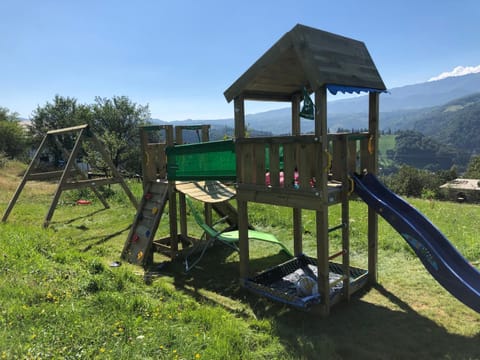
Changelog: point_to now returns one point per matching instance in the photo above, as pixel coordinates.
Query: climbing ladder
(138, 246)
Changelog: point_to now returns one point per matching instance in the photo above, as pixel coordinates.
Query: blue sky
(180, 56)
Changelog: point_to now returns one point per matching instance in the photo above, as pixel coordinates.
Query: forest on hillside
(440, 138)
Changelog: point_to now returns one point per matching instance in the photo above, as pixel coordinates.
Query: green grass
(59, 297)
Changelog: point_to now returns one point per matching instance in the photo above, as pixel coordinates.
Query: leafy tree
(473, 169)
(63, 112)
(7, 115)
(12, 135)
(409, 181)
(116, 121)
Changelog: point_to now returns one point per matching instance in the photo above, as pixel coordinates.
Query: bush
(409, 181)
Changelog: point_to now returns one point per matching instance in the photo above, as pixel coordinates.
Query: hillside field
(61, 298)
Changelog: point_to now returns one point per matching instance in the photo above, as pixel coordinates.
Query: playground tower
(314, 61)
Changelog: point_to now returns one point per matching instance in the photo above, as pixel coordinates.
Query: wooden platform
(206, 191)
(312, 199)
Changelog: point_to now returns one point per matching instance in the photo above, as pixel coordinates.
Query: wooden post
(242, 206)
(322, 215)
(205, 133)
(343, 148)
(297, 212)
(373, 129)
(182, 204)
(172, 202)
(146, 172)
(179, 135)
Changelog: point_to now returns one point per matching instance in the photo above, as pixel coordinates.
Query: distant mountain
(417, 96)
(456, 123)
(399, 108)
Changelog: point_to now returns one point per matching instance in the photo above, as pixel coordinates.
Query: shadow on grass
(70, 221)
(358, 329)
(103, 239)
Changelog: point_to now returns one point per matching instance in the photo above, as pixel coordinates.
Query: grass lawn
(60, 298)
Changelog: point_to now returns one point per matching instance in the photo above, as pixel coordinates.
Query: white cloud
(458, 71)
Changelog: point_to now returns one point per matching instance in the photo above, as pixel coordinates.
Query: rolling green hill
(456, 123)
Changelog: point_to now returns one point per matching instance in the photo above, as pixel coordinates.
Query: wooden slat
(247, 162)
(259, 164)
(274, 155)
(288, 164)
(352, 157)
(365, 163)
(339, 158)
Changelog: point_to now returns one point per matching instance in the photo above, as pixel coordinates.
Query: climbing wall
(138, 246)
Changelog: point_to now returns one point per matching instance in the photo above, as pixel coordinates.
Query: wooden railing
(351, 152)
(287, 162)
(296, 162)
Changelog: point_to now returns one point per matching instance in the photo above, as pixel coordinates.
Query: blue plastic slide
(437, 254)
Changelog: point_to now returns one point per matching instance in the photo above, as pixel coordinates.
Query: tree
(116, 122)
(410, 181)
(6, 115)
(12, 135)
(62, 113)
(473, 169)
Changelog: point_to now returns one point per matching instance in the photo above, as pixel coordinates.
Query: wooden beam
(373, 129)
(47, 175)
(322, 214)
(344, 179)
(66, 130)
(242, 207)
(92, 183)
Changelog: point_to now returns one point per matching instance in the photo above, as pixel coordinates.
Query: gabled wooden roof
(309, 57)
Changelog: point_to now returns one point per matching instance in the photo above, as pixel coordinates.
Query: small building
(462, 190)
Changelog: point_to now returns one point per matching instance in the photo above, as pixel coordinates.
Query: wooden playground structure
(299, 171)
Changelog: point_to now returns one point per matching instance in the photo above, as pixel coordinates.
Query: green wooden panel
(213, 160)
